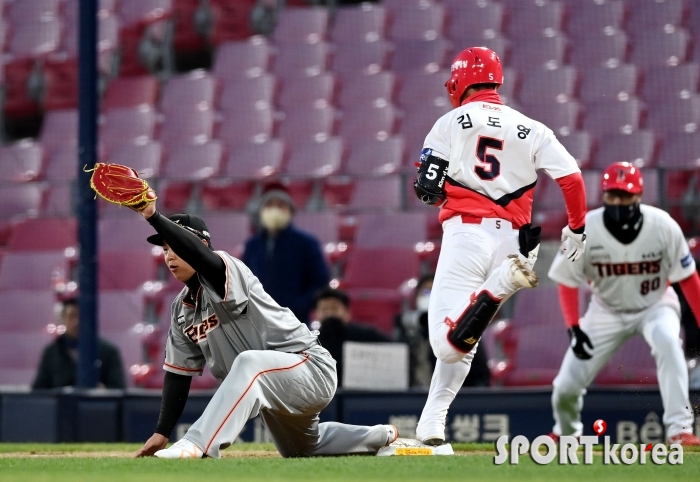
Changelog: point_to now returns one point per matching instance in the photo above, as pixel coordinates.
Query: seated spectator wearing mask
(288, 262)
(337, 327)
(412, 326)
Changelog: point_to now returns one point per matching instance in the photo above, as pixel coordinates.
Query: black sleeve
(43, 374)
(176, 388)
(112, 372)
(189, 247)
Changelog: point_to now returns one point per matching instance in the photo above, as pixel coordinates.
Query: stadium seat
(385, 230)
(671, 83)
(125, 270)
(34, 37)
(120, 311)
(311, 159)
(133, 126)
(483, 19)
(58, 234)
(355, 58)
(59, 200)
(194, 127)
(368, 122)
(229, 231)
(241, 60)
(187, 37)
(32, 271)
(538, 308)
(423, 21)
(591, 19)
(130, 350)
(301, 25)
(20, 354)
(307, 91)
(604, 50)
(180, 165)
(677, 115)
(124, 233)
(383, 268)
(658, 49)
(301, 60)
(548, 208)
(246, 94)
(605, 118)
(535, 364)
(21, 200)
(418, 120)
(579, 145)
(636, 147)
(680, 151)
(307, 123)
(325, 226)
(363, 23)
(21, 161)
(250, 160)
(651, 15)
(533, 19)
(376, 157)
(60, 128)
(499, 44)
(382, 193)
(415, 56)
(231, 20)
(423, 88)
(226, 194)
(609, 84)
(562, 118)
(29, 10)
(549, 85)
(367, 89)
(134, 12)
(243, 126)
(534, 53)
(62, 165)
(632, 364)
(27, 311)
(130, 92)
(195, 90)
(144, 158)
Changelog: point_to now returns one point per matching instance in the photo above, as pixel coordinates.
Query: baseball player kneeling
(634, 252)
(268, 362)
(479, 164)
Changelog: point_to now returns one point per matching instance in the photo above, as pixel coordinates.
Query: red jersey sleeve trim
(568, 299)
(574, 191)
(691, 290)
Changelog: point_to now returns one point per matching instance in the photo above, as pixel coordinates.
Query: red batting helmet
(475, 65)
(623, 176)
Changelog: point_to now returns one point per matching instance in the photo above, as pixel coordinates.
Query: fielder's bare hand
(152, 445)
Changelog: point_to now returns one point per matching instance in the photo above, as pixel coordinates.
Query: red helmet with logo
(475, 65)
(623, 176)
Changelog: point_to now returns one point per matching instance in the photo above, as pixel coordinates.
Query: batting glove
(579, 340)
(574, 244)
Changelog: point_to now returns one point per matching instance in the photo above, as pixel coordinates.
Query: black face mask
(623, 215)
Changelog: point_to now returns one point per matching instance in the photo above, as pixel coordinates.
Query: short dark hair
(69, 302)
(332, 293)
(479, 87)
(424, 278)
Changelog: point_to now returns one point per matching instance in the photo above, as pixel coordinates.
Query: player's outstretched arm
(574, 234)
(691, 290)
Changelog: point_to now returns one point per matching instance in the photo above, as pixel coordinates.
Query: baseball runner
(634, 252)
(268, 362)
(479, 165)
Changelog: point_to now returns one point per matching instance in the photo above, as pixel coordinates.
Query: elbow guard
(430, 185)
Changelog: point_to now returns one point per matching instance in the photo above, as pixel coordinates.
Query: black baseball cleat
(434, 442)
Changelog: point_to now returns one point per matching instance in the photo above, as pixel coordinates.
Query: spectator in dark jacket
(288, 262)
(337, 327)
(58, 366)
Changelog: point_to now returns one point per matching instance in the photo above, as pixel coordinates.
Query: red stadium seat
(658, 49)
(533, 363)
(680, 152)
(229, 231)
(307, 91)
(231, 20)
(195, 90)
(130, 92)
(579, 145)
(62, 165)
(632, 364)
(60, 128)
(609, 84)
(415, 56)
(124, 233)
(241, 60)
(226, 194)
(364, 23)
(20, 354)
(424, 88)
(355, 58)
(311, 159)
(385, 230)
(482, 19)
(21, 161)
(299, 60)
(59, 200)
(307, 124)
(244, 126)
(32, 271)
(605, 118)
(367, 89)
(32, 234)
(636, 147)
(125, 270)
(186, 35)
(376, 157)
(21, 200)
(27, 311)
(120, 311)
(604, 50)
(538, 308)
(248, 93)
(180, 165)
(122, 126)
(325, 226)
(533, 19)
(422, 21)
(562, 118)
(534, 53)
(677, 115)
(497, 43)
(301, 25)
(368, 122)
(254, 160)
(549, 85)
(195, 127)
(376, 193)
(671, 83)
(144, 158)
(381, 268)
(418, 121)
(592, 18)
(654, 15)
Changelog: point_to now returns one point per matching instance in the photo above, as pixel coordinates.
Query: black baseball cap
(190, 222)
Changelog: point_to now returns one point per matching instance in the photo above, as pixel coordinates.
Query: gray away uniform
(268, 362)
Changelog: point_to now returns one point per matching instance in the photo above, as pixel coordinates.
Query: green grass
(472, 467)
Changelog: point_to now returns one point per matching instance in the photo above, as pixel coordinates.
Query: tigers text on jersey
(494, 153)
(217, 331)
(629, 277)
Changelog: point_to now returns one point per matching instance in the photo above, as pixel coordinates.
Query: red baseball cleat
(554, 437)
(684, 439)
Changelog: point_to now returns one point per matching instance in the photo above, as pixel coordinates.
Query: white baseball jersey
(494, 153)
(629, 277)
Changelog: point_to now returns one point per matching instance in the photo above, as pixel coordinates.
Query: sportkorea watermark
(544, 450)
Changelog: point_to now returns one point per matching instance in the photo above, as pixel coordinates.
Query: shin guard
(467, 330)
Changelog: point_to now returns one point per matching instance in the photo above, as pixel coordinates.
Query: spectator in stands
(412, 327)
(58, 366)
(288, 262)
(337, 327)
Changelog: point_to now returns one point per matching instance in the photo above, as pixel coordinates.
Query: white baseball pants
(473, 257)
(288, 390)
(660, 326)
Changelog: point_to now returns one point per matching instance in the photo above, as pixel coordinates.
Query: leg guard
(467, 330)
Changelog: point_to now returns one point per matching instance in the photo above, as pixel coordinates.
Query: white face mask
(274, 218)
(423, 300)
